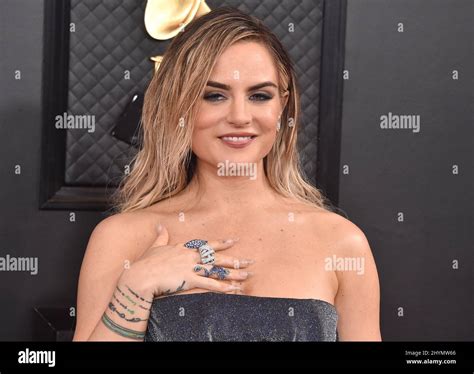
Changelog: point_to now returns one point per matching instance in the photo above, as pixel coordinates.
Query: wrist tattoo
(131, 300)
(180, 288)
(122, 315)
(131, 311)
(138, 296)
(126, 296)
(120, 330)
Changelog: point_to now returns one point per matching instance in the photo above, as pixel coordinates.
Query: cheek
(208, 116)
(267, 121)
(204, 129)
(200, 140)
(270, 122)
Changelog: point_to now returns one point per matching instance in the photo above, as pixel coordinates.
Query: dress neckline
(249, 296)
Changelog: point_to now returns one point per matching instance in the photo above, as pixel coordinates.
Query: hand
(165, 269)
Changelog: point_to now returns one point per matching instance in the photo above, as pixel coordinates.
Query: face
(238, 112)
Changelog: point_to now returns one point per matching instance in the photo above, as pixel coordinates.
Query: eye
(213, 97)
(261, 97)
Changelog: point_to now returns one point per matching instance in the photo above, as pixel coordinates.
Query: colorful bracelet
(127, 333)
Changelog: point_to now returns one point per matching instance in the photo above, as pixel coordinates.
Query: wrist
(138, 289)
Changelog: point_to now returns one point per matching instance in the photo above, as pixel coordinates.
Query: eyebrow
(255, 87)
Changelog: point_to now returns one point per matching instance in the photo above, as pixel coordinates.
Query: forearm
(125, 317)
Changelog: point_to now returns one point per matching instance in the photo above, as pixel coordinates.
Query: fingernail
(235, 288)
(159, 228)
(228, 241)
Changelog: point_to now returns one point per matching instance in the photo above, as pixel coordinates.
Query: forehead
(247, 61)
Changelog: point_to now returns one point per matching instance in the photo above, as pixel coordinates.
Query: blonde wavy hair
(165, 164)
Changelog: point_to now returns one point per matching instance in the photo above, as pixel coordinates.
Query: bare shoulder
(338, 233)
(358, 295)
(127, 232)
(136, 230)
(344, 243)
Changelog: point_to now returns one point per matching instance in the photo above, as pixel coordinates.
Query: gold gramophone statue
(164, 19)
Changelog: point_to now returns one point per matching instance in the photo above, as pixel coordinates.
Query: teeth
(236, 138)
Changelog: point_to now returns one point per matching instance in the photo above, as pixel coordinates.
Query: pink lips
(238, 143)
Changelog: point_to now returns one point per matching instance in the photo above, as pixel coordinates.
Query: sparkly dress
(212, 316)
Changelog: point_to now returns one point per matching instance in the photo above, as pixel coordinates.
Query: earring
(278, 124)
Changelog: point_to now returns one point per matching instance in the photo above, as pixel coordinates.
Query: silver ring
(195, 243)
(218, 270)
(207, 254)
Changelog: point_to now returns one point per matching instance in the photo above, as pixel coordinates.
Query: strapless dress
(212, 316)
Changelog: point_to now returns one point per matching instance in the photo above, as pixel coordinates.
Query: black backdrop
(401, 187)
(424, 255)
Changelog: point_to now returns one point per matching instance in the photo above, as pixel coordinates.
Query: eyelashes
(216, 97)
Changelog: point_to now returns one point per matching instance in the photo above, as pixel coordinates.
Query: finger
(219, 272)
(162, 237)
(216, 285)
(232, 262)
(218, 245)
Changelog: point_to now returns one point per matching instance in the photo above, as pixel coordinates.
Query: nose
(239, 114)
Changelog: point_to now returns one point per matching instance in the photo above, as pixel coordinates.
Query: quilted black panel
(110, 38)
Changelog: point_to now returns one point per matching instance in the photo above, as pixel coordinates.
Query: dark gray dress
(211, 316)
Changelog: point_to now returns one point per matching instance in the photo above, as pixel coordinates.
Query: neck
(223, 189)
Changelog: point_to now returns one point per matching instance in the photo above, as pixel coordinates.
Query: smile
(237, 141)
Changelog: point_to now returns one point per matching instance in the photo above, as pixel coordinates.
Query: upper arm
(111, 248)
(358, 297)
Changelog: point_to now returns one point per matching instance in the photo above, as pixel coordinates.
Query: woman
(219, 237)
